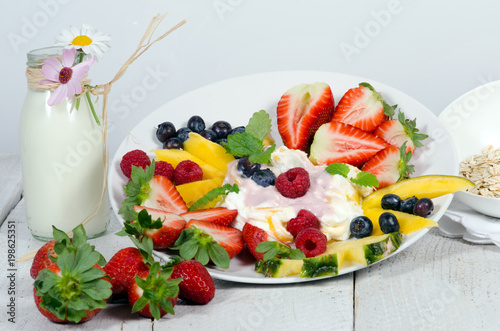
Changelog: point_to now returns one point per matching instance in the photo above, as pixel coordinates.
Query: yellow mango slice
(190, 192)
(175, 156)
(428, 186)
(408, 223)
(208, 151)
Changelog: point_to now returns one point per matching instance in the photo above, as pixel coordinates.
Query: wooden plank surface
(10, 183)
(436, 284)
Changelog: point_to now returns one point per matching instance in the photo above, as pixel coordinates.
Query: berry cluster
(308, 238)
(362, 226)
(186, 171)
(173, 138)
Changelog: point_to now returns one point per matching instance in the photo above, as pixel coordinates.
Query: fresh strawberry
(122, 268)
(48, 253)
(363, 107)
(229, 238)
(399, 131)
(43, 258)
(207, 242)
(151, 191)
(162, 227)
(218, 215)
(339, 142)
(253, 236)
(75, 289)
(153, 293)
(390, 165)
(301, 111)
(197, 286)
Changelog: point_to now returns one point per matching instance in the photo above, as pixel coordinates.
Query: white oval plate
(235, 100)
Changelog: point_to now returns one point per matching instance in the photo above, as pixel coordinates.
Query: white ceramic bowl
(473, 121)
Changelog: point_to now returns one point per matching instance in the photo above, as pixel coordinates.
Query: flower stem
(92, 108)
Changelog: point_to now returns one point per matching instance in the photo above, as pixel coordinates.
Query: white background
(433, 51)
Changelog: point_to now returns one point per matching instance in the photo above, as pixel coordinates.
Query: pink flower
(67, 74)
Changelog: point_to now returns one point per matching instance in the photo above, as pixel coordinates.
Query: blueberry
(209, 134)
(391, 201)
(408, 204)
(165, 130)
(246, 167)
(361, 227)
(264, 177)
(221, 128)
(173, 143)
(183, 133)
(196, 124)
(238, 129)
(388, 222)
(423, 207)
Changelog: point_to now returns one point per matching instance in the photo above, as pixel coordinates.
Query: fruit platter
(269, 106)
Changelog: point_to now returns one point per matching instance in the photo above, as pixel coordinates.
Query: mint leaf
(214, 194)
(243, 144)
(263, 156)
(338, 169)
(275, 249)
(251, 142)
(259, 125)
(364, 178)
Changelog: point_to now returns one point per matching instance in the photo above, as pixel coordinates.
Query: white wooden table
(436, 284)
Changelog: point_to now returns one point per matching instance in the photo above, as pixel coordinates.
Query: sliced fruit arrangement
(360, 132)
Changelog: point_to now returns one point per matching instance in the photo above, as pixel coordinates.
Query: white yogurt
(332, 198)
(62, 166)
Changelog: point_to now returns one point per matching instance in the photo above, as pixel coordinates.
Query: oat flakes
(484, 171)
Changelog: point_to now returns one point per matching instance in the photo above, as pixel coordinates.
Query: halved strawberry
(390, 165)
(301, 111)
(253, 236)
(218, 215)
(162, 227)
(147, 190)
(339, 142)
(163, 195)
(207, 242)
(362, 107)
(231, 239)
(399, 131)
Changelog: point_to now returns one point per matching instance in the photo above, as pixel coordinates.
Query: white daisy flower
(88, 39)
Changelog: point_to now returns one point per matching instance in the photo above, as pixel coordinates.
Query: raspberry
(137, 158)
(311, 241)
(163, 168)
(187, 171)
(305, 219)
(294, 183)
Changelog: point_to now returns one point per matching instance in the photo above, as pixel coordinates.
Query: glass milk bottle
(62, 161)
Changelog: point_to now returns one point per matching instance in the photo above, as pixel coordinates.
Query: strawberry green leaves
(137, 190)
(195, 243)
(157, 291)
(362, 178)
(251, 142)
(76, 285)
